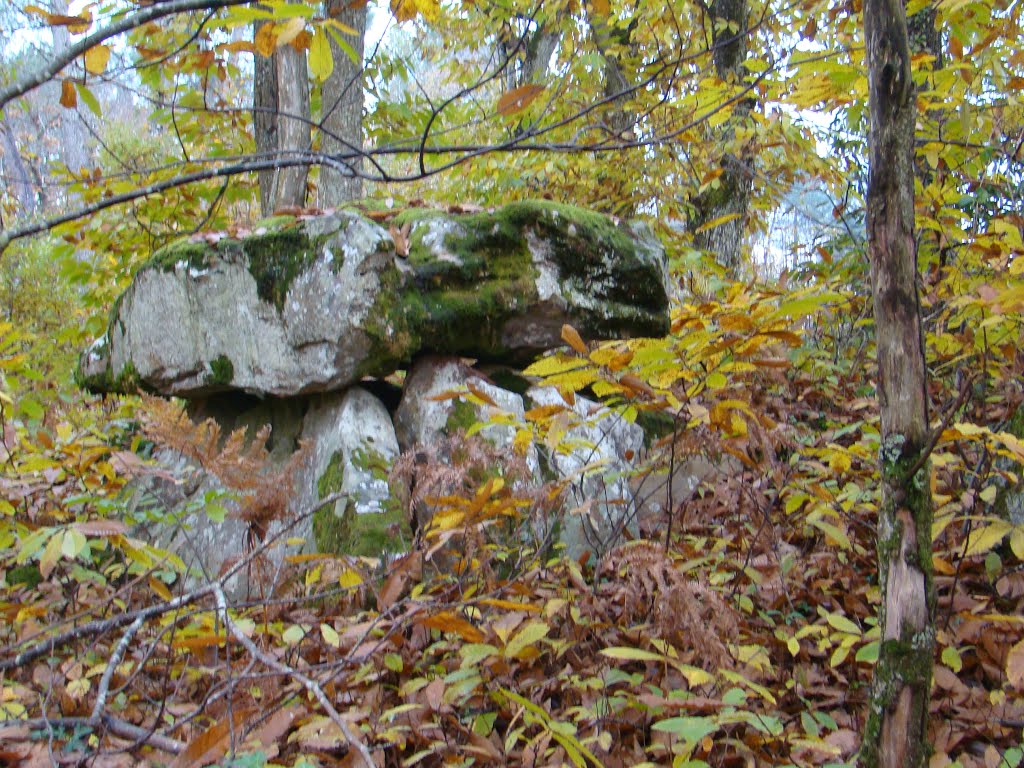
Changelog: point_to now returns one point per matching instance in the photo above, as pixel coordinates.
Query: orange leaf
(571, 337)
(237, 46)
(481, 394)
(446, 621)
(636, 384)
(68, 95)
(518, 99)
(75, 24)
(265, 40)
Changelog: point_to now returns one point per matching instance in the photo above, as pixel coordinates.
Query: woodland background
(744, 630)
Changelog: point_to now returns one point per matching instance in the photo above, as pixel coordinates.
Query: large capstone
(316, 303)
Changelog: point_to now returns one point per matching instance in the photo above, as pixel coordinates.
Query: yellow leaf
(572, 337)
(51, 555)
(1017, 542)
(984, 539)
(527, 637)
(1015, 665)
(557, 363)
(159, 588)
(349, 578)
(717, 222)
(405, 10)
(321, 61)
(96, 59)
(601, 7)
(519, 99)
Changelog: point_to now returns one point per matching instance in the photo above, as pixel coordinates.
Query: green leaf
(330, 635)
(689, 729)
(90, 100)
(951, 658)
(474, 653)
(868, 653)
(843, 624)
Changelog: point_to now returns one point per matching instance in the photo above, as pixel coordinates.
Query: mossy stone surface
(335, 301)
(349, 532)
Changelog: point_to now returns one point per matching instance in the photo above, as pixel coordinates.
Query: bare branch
(54, 66)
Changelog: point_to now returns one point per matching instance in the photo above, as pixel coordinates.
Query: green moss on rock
(462, 416)
(352, 533)
(276, 258)
(222, 370)
(193, 254)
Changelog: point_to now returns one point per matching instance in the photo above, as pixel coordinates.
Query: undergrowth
(739, 629)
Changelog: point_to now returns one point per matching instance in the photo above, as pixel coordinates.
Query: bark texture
(281, 124)
(74, 149)
(732, 195)
(342, 123)
(896, 730)
(19, 183)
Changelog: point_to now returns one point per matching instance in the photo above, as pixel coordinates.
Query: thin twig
(308, 683)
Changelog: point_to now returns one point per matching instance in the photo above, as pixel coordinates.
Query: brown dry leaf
(278, 725)
(101, 528)
(636, 384)
(401, 238)
(212, 744)
(320, 734)
(405, 570)
(434, 693)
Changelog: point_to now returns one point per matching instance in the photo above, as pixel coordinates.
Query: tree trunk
(74, 150)
(18, 180)
(731, 197)
(896, 729)
(342, 122)
(281, 125)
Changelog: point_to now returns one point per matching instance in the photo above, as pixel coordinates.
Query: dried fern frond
(645, 584)
(240, 461)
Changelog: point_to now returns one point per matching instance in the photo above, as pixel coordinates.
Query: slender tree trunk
(19, 182)
(281, 123)
(896, 730)
(731, 197)
(619, 121)
(74, 150)
(342, 122)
